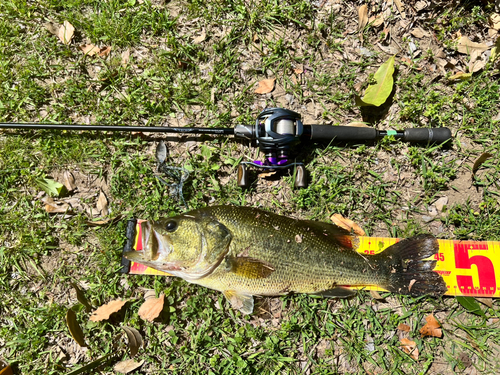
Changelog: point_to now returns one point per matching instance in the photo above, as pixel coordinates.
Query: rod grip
(342, 133)
(433, 135)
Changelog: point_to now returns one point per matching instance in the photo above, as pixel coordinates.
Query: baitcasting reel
(275, 132)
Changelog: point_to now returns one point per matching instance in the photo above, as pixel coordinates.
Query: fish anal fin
(240, 301)
(337, 292)
(248, 267)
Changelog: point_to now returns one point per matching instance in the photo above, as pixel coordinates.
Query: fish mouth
(151, 246)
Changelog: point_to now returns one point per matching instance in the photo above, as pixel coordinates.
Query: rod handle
(342, 133)
(432, 135)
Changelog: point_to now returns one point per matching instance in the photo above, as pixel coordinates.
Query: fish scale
(306, 267)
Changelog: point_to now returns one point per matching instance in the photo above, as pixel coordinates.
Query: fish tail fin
(409, 270)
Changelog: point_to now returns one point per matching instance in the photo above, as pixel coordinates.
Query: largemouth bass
(245, 252)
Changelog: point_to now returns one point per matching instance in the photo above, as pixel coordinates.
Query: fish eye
(171, 226)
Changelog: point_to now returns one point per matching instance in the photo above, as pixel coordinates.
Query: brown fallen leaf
(404, 327)
(465, 45)
(201, 37)
(105, 311)
(376, 295)
(134, 339)
(104, 51)
(265, 86)
(485, 301)
(89, 49)
(431, 328)
(362, 16)
(376, 21)
(53, 207)
(266, 174)
(410, 347)
(74, 328)
(480, 160)
(399, 5)
(347, 224)
(151, 309)
(494, 21)
(129, 365)
(52, 27)
(418, 33)
(69, 181)
(125, 57)
(66, 33)
(102, 204)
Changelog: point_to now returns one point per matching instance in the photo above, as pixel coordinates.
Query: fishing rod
(276, 132)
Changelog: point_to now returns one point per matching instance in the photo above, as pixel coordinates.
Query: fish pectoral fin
(242, 302)
(337, 292)
(248, 267)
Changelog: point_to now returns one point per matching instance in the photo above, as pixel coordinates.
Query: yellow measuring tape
(467, 267)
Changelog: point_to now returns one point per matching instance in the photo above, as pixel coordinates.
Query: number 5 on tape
(468, 267)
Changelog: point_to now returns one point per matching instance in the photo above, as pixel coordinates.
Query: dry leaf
(151, 309)
(200, 38)
(105, 311)
(52, 28)
(53, 207)
(125, 57)
(129, 365)
(105, 51)
(376, 295)
(66, 32)
(431, 328)
(399, 5)
(102, 204)
(418, 33)
(465, 45)
(485, 301)
(265, 86)
(480, 160)
(362, 16)
(410, 347)
(69, 180)
(89, 49)
(347, 224)
(495, 21)
(412, 281)
(266, 174)
(134, 340)
(376, 21)
(404, 327)
(74, 328)
(299, 70)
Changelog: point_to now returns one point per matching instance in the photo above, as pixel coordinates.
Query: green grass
(170, 79)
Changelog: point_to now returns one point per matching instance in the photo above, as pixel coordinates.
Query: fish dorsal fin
(242, 302)
(337, 292)
(249, 267)
(335, 233)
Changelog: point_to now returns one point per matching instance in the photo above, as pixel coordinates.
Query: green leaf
(51, 187)
(74, 328)
(471, 305)
(378, 93)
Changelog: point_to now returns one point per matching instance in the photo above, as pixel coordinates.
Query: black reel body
(276, 131)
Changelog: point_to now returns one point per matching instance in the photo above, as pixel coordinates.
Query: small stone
(440, 203)
(427, 219)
